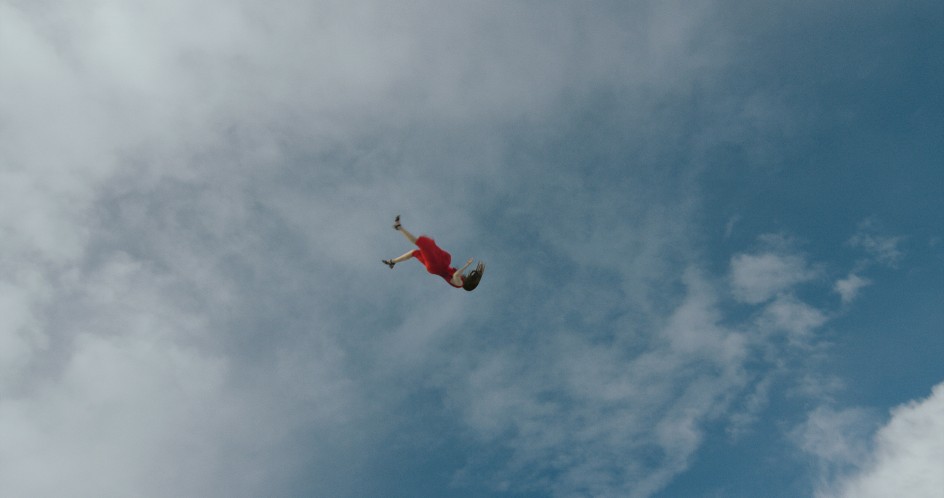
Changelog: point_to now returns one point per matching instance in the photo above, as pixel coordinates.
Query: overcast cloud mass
(714, 233)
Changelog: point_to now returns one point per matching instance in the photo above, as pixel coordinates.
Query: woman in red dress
(437, 261)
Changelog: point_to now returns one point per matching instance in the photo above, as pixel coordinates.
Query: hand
(469, 262)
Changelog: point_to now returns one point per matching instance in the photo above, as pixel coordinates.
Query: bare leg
(409, 236)
(398, 259)
(398, 227)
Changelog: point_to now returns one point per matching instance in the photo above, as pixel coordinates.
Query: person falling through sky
(437, 261)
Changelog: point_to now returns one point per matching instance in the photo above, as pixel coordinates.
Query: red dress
(434, 259)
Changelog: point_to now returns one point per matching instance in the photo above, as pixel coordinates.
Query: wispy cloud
(758, 277)
(848, 288)
(604, 419)
(793, 317)
(834, 436)
(881, 247)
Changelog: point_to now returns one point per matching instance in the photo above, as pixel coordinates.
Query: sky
(714, 232)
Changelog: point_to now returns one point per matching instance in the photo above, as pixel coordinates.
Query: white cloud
(126, 415)
(849, 287)
(128, 395)
(755, 278)
(792, 316)
(833, 436)
(187, 279)
(906, 458)
(22, 332)
(194, 196)
(879, 246)
(607, 421)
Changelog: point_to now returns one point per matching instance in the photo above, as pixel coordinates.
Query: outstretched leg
(398, 227)
(399, 259)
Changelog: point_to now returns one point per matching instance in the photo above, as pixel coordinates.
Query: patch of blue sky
(873, 152)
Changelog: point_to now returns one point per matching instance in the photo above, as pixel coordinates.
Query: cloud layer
(194, 200)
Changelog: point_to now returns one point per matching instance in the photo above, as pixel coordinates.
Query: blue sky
(714, 233)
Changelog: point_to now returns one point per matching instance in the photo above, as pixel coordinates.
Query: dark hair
(471, 281)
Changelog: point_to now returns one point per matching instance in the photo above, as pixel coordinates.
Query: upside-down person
(437, 261)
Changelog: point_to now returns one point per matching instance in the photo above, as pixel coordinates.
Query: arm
(457, 276)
